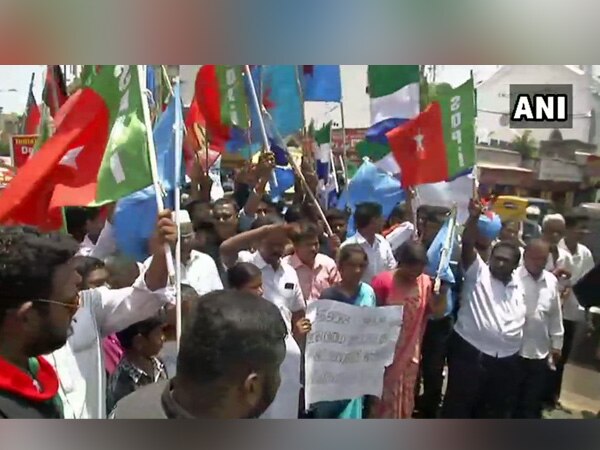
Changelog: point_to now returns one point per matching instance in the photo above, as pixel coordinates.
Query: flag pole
(27, 104)
(445, 256)
(344, 155)
(178, 149)
(332, 168)
(261, 121)
(158, 188)
(54, 88)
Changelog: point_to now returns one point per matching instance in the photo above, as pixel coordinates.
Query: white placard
(348, 349)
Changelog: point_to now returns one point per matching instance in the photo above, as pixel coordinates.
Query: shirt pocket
(544, 304)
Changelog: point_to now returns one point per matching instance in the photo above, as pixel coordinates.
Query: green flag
(458, 120)
(44, 129)
(125, 166)
(232, 94)
(88, 73)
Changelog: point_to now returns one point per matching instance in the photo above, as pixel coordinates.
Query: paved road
(580, 394)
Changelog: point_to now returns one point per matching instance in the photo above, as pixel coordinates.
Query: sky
(18, 78)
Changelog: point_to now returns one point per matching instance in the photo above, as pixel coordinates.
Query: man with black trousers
(439, 329)
(483, 358)
(543, 333)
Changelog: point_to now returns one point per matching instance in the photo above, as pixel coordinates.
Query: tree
(526, 145)
(4, 149)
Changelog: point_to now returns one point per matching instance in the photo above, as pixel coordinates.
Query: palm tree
(526, 145)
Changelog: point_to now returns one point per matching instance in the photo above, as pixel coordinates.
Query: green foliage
(4, 149)
(525, 145)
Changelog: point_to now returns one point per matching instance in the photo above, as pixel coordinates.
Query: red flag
(32, 115)
(209, 102)
(418, 146)
(55, 90)
(64, 171)
(204, 116)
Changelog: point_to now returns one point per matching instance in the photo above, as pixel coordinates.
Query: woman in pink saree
(410, 287)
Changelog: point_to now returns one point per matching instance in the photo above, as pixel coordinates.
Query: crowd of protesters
(86, 332)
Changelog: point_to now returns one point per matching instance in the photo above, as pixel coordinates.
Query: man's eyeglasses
(74, 306)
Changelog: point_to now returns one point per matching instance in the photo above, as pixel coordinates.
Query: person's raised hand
(166, 229)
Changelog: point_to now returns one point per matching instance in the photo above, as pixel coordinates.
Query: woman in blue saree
(352, 263)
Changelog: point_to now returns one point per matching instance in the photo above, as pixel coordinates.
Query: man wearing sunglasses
(42, 313)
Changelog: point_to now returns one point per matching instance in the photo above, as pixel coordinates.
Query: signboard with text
(21, 148)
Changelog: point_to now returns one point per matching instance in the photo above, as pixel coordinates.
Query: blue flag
(285, 180)
(281, 97)
(371, 184)
(322, 83)
(151, 83)
(434, 254)
(135, 215)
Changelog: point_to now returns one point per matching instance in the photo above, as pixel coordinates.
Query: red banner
(22, 148)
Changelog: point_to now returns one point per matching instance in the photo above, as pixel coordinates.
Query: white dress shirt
(582, 262)
(380, 254)
(543, 324)
(200, 272)
(104, 246)
(282, 288)
(80, 363)
(491, 315)
(404, 232)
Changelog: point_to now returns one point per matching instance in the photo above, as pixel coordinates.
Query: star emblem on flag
(70, 158)
(419, 138)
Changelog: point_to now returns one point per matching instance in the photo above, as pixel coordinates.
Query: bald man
(543, 331)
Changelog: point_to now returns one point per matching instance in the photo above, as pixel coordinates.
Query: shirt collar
(259, 261)
(295, 262)
(523, 273)
(360, 239)
(136, 374)
(562, 245)
(170, 407)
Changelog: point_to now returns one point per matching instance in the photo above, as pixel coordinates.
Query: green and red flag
(439, 144)
(97, 155)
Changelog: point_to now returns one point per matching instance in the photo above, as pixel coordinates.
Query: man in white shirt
(369, 222)
(85, 225)
(483, 358)
(543, 333)
(197, 269)
(102, 312)
(572, 260)
(281, 286)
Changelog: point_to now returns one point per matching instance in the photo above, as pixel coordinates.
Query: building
(493, 101)
(559, 171)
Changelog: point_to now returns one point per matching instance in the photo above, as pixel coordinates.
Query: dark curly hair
(84, 265)
(229, 332)
(28, 259)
